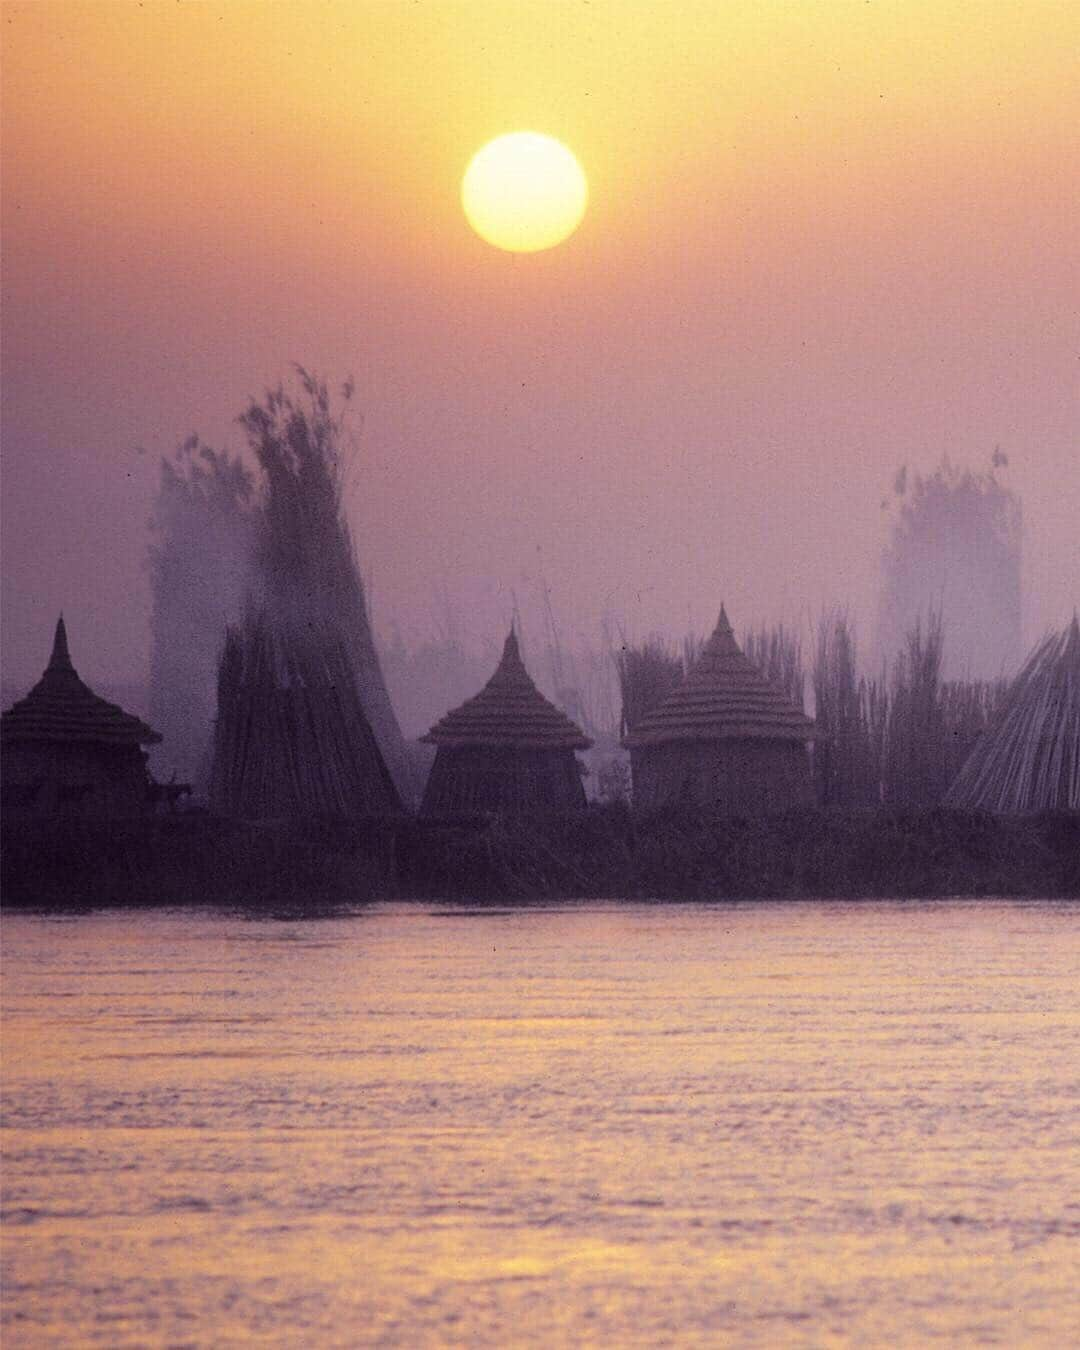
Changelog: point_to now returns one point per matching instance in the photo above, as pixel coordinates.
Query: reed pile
(304, 724)
(305, 561)
(292, 739)
(1029, 760)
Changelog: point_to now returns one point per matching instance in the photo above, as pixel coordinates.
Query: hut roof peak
(509, 712)
(722, 696)
(60, 659)
(60, 707)
(722, 643)
(511, 651)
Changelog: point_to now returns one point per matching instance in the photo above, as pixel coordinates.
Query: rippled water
(762, 1125)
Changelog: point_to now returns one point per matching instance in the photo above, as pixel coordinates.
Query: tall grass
(898, 739)
(647, 674)
(777, 653)
(851, 713)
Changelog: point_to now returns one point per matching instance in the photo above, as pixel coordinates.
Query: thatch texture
(722, 697)
(67, 751)
(506, 750)
(1029, 758)
(61, 708)
(292, 740)
(725, 738)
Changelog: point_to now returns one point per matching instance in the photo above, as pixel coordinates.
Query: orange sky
(823, 238)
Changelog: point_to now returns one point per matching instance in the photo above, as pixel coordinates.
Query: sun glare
(524, 192)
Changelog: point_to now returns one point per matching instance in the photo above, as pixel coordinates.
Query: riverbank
(195, 859)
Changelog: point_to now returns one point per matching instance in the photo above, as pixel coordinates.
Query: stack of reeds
(305, 560)
(291, 738)
(969, 707)
(1029, 759)
(304, 724)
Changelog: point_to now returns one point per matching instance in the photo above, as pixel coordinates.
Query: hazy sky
(823, 239)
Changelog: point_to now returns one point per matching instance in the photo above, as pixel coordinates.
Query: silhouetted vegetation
(896, 741)
(191, 859)
(603, 852)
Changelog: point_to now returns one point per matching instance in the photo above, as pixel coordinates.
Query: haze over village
(795, 276)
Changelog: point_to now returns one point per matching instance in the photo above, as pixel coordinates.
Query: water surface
(760, 1125)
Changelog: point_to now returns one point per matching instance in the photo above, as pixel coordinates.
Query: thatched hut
(1028, 759)
(67, 752)
(724, 739)
(507, 750)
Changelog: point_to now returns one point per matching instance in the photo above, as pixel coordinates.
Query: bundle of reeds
(1029, 759)
(968, 707)
(305, 561)
(292, 739)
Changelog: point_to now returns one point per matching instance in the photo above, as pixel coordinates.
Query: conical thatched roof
(722, 697)
(61, 708)
(509, 713)
(1029, 758)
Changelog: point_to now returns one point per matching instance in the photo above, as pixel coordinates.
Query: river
(593, 1124)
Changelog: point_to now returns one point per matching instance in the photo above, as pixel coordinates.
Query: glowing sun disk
(524, 192)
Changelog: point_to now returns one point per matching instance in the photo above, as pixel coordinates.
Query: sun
(524, 192)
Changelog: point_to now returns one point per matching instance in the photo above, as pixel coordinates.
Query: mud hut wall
(743, 777)
(469, 779)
